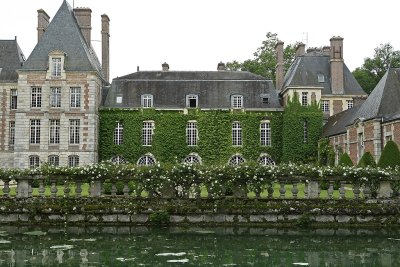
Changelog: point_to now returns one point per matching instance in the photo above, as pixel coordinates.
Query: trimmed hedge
(390, 156)
(345, 160)
(367, 160)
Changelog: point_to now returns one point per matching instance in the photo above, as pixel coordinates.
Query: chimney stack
(326, 50)
(105, 46)
(337, 78)
(300, 49)
(221, 66)
(43, 22)
(84, 17)
(279, 65)
(165, 66)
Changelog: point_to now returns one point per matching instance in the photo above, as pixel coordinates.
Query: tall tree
(373, 69)
(264, 60)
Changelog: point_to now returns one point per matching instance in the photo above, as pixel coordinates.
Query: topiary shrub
(390, 156)
(367, 160)
(345, 160)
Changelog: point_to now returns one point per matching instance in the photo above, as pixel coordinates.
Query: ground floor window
(192, 159)
(118, 160)
(236, 160)
(265, 160)
(73, 161)
(34, 161)
(146, 160)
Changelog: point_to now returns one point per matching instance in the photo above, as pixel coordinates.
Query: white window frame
(54, 131)
(74, 131)
(118, 159)
(11, 137)
(54, 160)
(304, 98)
(34, 161)
(119, 133)
(73, 161)
(325, 106)
(236, 134)
(34, 131)
(236, 160)
(36, 97)
(191, 133)
(13, 99)
(237, 101)
(350, 103)
(191, 97)
(265, 160)
(192, 158)
(147, 101)
(55, 97)
(265, 133)
(56, 66)
(147, 133)
(75, 97)
(146, 160)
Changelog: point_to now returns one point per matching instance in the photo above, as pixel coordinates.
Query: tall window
(118, 133)
(75, 97)
(35, 132)
(147, 101)
(74, 128)
(325, 105)
(73, 161)
(36, 97)
(147, 133)
(55, 97)
(12, 133)
(237, 101)
(360, 145)
(54, 132)
(304, 99)
(350, 104)
(146, 160)
(191, 133)
(34, 161)
(54, 160)
(56, 67)
(192, 101)
(305, 131)
(265, 133)
(236, 134)
(13, 99)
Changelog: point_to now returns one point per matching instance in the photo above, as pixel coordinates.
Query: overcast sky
(196, 35)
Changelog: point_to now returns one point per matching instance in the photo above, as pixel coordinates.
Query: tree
(367, 160)
(264, 60)
(390, 156)
(373, 69)
(345, 160)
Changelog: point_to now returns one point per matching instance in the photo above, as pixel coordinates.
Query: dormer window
(192, 101)
(237, 101)
(321, 78)
(147, 101)
(56, 67)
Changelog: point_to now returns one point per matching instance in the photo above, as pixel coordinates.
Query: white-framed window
(56, 67)
(118, 100)
(11, 138)
(350, 103)
(236, 134)
(34, 161)
(147, 101)
(191, 133)
(237, 101)
(118, 133)
(13, 99)
(147, 133)
(192, 158)
(361, 146)
(75, 97)
(54, 160)
(192, 101)
(35, 131)
(55, 97)
(325, 105)
(146, 160)
(305, 131)
(36, 97)
(236, 160)
(118, 160)
(265, 133)
(73, 161)
(54, 132)
(321, 78)
(304, 98)
(74, 131)
(265, 160)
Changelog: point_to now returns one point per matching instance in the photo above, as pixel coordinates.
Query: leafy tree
(373, 69)
(264, 60)
(345, 160)
(367, 160)
(390, 156)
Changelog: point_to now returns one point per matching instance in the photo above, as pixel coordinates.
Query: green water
(140, 246)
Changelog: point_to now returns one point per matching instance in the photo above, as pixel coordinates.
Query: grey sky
(196, 35)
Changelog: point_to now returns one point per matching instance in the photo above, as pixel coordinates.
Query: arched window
(147, 101)
(146, 160)
(265, 160)
(34, 161)
(236, 160)
(191, 133)
(236, 134)
(265, 133)
(192, 159)
(54, 160)
(118, 133)
(73, 161)
(118, 160)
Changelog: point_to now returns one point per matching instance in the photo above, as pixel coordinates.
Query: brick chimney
(105, 46)
(337, 78)
(43, 22)
(326, 50)
(300, 50)
(84, 17)
(221, 66)
(165, 66)
(279, 65)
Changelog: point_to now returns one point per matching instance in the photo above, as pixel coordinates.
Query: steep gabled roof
(11, 59)
(63, 33)
(337, 123)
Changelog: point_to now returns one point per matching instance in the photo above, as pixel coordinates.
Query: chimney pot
(336, 52)
(326, 50)
(221, 66)
(165, 66)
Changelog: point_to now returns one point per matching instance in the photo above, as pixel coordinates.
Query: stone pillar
(337, 78)
(280, 72)
(377, 140)
(84, 18)
(96, 188)
(22, 188)
(105, 46)
(43, 23)
(312, 189)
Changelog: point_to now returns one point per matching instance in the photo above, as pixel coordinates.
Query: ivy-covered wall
(169, 139)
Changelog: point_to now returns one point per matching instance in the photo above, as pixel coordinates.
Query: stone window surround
(237, 101)
(147, 100)
(53, 55)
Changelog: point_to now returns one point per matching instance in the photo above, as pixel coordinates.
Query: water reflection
(140, 246)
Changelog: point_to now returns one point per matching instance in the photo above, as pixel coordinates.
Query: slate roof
(337, 123)
(305, 69)
(11, 59)
(63, 34)
(214, 89)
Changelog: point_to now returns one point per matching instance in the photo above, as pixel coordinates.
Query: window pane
(36, 97)
(191, 134)
(236, 134)
(265, 134)
(75, 97)
(118, 133)
(35, 132)
(147, 133)
(55, 97)
(74, 129)
(54, 131)
(13, 99)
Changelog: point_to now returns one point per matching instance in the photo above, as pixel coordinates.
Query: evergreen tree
(390, 156)
(345, 160)
(367, 160)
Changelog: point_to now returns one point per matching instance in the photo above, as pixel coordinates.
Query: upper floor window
(56, 67)
(191, 133)
(74, 132)
(304, 98)
(75, 97)
(36, 97)
(12, 133)
(192, 101)
(350, 103)
(146, 160)
(13, 99)
(54, 160)
(321, 78)
(237, 101)
(305, 131)
(54, 132)
(265, 133)
(34, 161)
(118, 133)
(325, 105)
(147, 101)
(55, 97)
(35, 132)
(147, 133)
(236, 134)
(73, 161)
